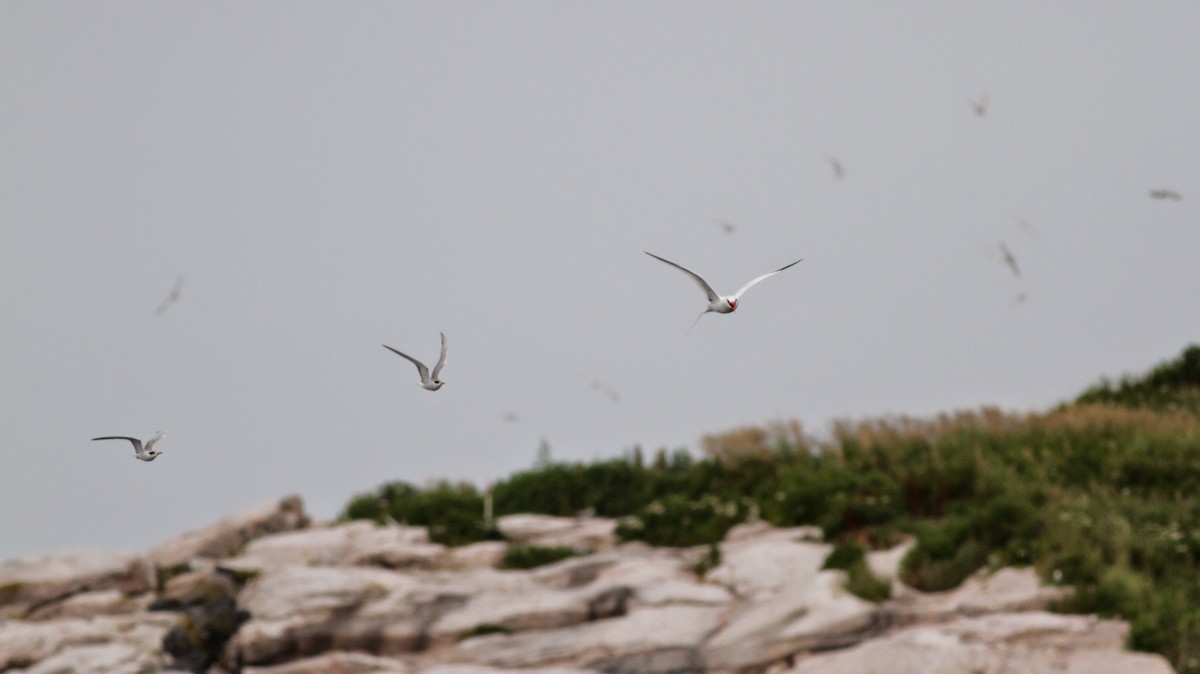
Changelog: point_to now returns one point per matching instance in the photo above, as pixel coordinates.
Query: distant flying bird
(727, 226)
(147, 453)
(981, 106)
(1009, 259)
(1019, 299)
(1024, 224)
(716, 303)
(171, 298)
(607, 390)
(429, 383)
(838, 171)
(1166, 194)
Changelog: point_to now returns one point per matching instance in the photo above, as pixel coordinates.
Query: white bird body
(140, 452)
(720, 304)
(429, 382)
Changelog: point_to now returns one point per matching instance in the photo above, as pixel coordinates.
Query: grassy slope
(1102, 494)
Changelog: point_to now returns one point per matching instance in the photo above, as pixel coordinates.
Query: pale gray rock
(29, 582)
(817, 614)
(886, 563)
(481, 555)
(227, 537)
(350, 543)
(110, 658)
(301, 610)
(26, 644)
(659, 577)
(196, 587)
(580, 533)
(89, 604)
(1006, 590)
(485, 669)
(762, 560)
(650, 640)
(1018, 643)
(337, 662)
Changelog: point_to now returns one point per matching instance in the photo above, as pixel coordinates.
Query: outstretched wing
(157, 436)
(441, 359)
(712, 294)
(137, 444)
(764, 276)
(424, 371)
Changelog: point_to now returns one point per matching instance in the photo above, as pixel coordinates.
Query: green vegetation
(532, 556)
(452, 512)
(1102, 494)
(484, 629)
(710, 561)
(852, 558)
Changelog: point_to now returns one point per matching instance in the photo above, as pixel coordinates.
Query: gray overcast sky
(330, 177)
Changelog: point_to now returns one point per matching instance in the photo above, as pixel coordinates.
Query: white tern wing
(751, 283)
(712, 294)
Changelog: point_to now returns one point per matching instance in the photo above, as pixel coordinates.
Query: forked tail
(693, 324)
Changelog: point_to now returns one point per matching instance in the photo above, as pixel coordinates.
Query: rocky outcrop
(227, 537)
(582, 533)
(1007, 643)
(265, 593)
(33, 584)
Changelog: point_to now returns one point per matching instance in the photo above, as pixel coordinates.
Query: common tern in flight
(838, 171)
(716, 303)
(981, 106)
(171, 298)
(430, 383)
(1009, 259)
(146, 453)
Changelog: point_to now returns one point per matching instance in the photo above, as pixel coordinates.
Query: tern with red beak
(146, 453)
(428, 382)
(716, 303)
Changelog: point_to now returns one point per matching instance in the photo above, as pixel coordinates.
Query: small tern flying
(716, 303)
(146, 453)
(430, 383)
(171, 298)
(1009, 259)
(981, 106)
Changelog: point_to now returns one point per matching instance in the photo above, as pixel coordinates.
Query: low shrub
(532, 556)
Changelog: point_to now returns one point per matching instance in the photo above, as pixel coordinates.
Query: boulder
(109, 658)
(1018, 643)
(816, 615)
(194, 588)
(337, 662)
(485, 669)
(481, 555)
(349, 543)
(580, 533)
(29, 582)
(227, 537)
(886, 563)
(1006, 590)
(762, 560)
(301, 610)
(646, 641)
(26, 644)
(89, 604)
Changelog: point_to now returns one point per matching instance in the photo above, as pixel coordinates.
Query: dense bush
(680, 522)
(453, 513)
(1102, 494)
(533, 556)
